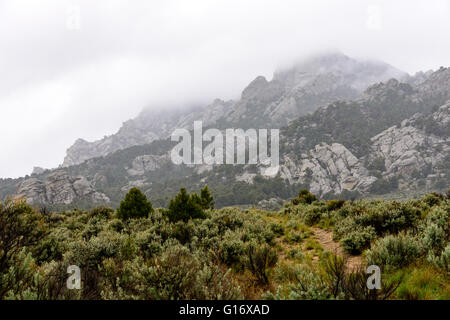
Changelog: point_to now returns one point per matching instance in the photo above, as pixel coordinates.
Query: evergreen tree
(135, 205)
(185, 206)
(207, 200)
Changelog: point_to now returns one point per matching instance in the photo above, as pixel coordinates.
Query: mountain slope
(263, 104)
(394, 137)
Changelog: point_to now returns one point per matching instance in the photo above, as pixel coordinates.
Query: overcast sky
(78, 69)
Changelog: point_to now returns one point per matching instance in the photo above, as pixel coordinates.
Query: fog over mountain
(79, 69)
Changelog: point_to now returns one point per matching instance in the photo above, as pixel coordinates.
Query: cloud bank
(78, 69)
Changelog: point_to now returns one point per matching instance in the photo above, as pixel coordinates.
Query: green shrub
(393, 251)
(432, 199)
(433, 238)
(295, 254)
(293, 237)
(304, 196)
(175, 274)
(333, 205)
(231, 250)
(309, 285)
(116, 225)
(135, 205)
(383, 217)
(440, 216)
(388, 217)
(20, 227)
(260, 259)
(312, 214)
(102, 212)
(277, 229)
(444, 260)
(356, 241)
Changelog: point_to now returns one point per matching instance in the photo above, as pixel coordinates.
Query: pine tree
(207, 199)
(135, 205)
(185, 206)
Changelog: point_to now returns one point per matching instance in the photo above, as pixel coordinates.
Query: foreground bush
(259, 260)
(176, 274)
(20, 227)
(229, 253)
(358, 240)
(393, 251)
(304, 196)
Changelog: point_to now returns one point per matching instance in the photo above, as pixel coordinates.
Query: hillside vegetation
(192, 251)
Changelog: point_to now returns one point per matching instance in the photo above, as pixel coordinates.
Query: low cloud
(71, 69)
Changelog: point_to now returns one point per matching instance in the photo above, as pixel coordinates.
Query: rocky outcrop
(328, 168)
(146, 163)
(33, 190)
(58, 188)
(412, 147)
(436, 86)
(246, 177)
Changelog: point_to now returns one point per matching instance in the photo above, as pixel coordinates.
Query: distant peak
(257, 84)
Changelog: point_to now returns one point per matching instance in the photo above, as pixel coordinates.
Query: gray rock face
(246, 177)
(409, 148)
(33, 190)
(58, 187)
(328, 168)
(437, 84)
(146, 163)
(384, 91)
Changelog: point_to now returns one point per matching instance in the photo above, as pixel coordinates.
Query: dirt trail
(325, 238)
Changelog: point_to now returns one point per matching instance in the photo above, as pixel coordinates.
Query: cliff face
(328, 168)
(59, 187)
(418, 146)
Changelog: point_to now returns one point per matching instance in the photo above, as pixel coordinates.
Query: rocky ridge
(59, 187)
(291, 93)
